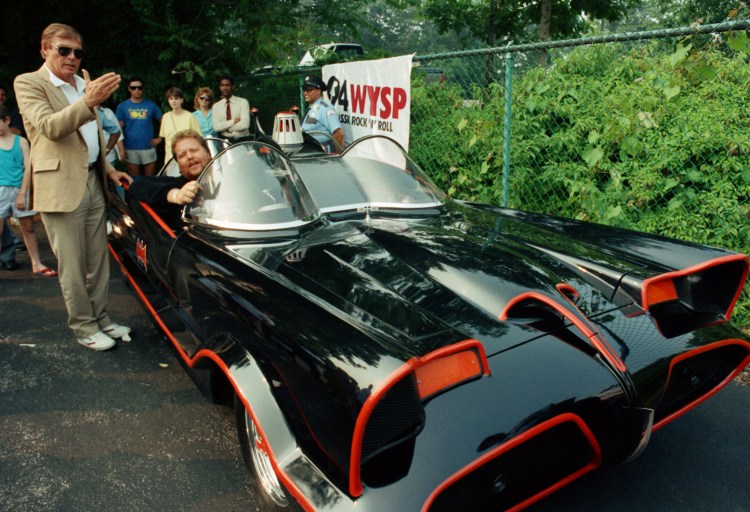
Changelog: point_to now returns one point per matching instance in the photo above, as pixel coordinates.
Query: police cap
(314, 81)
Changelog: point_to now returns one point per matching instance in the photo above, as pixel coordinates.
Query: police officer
(321, 115)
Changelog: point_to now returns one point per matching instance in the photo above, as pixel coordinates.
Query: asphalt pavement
(126, 429)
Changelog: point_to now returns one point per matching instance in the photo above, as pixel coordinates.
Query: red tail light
(447, 372)
(661, 291)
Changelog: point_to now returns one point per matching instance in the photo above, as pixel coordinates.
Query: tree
(504, 21)
(480, 19)
(645, 16)
(516, 21)
(655, 14)
(402, 29)
(686, 12)
(185, 44)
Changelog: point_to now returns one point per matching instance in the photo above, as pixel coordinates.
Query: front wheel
(271, 495)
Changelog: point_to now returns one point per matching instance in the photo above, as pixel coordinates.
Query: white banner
(372, 97)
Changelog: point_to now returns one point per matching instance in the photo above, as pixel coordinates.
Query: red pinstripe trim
(518, 440)
(601, 345)
(565, 289)
(355, 479)
(158, 220)
(700, 350)
(151, 212)
(208, 354)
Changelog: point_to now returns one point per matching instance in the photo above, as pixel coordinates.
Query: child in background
(176, 121)
(15, 176)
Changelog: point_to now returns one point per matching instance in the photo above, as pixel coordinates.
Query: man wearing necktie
(231, 114)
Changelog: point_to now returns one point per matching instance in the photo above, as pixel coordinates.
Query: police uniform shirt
(321, 117)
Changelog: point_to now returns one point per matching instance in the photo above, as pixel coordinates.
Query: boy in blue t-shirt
(137, 116)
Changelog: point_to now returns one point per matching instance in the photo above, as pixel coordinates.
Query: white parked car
(347, 51)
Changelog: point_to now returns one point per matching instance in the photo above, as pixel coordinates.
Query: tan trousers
(79, 241)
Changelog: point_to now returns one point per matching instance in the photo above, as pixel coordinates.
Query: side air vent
(696, 375)
(393, 414)
(522, 470)
(398, 416)
(388, 444)
(686, 300)
(547, 314)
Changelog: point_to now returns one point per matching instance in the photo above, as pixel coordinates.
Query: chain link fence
(646, 130)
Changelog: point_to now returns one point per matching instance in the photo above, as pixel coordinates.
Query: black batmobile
(387, 348)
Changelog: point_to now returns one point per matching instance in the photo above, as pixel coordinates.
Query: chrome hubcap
(262, 464)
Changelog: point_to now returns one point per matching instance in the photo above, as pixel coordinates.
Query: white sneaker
(117, 331)
(98, 341)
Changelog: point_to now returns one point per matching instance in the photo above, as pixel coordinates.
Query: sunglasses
(136, 87)
(64, 51)
(204, 98)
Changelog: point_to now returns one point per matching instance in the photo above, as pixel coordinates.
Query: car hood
(429, 282)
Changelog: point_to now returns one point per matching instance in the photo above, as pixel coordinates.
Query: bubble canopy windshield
(253, 186)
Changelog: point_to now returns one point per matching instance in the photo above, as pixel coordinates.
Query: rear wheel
(271, 494)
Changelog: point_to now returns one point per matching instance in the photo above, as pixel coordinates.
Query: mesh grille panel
(398, 416)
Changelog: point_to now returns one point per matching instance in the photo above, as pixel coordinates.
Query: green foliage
(187, 44)
(640, 136)
(686, 12)
(401, 29)
(499, 21)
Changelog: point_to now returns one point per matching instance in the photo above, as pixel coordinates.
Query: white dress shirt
(238, 107)
(90, 130)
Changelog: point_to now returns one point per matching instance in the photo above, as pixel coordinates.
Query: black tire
(272, 497)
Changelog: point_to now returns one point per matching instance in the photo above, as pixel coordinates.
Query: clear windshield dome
(251, 186)
(373, 172)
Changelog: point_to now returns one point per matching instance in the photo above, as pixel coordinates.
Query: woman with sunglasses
(202, 102)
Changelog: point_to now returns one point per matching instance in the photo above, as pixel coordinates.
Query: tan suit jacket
(59, 155)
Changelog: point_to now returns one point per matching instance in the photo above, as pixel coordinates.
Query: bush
(647, 137)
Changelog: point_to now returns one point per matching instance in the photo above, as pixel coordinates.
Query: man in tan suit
(69, 172)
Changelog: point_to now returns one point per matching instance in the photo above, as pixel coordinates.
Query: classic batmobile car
(388, 348)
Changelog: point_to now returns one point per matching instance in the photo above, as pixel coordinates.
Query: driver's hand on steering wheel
(187, 193)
